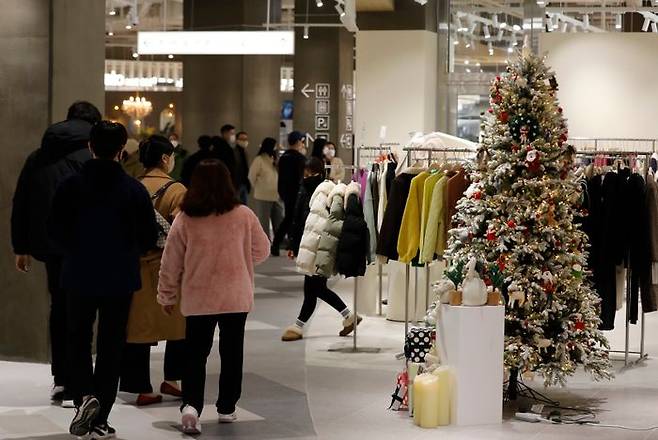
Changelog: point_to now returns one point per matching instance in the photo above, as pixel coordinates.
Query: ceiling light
(116, 107)
(113, 12)
(170, 56)
(618, 22)
(556, 22)
(516, 27)
(456, 41)
(110, 34)
(473, 27)
(305, 32)
(500, 35)
(494, 21)
(541, 3)
(129, 26)
(510, 49)
(645, 25)
(319, 3)
(468, 70)
(515, 41)
(485, 29)
(490, 47)
(135, 55)
(466, 62)
(340, 10)
(468, 44)
(477, 64)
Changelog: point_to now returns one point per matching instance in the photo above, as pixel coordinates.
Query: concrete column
(240, 90)
(397, 68)
(325, 58)
(37, 38)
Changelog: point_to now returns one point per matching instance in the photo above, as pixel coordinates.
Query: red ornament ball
(580, 325)
(491, 236)
(504, 117)
(511, 224)
(477, 195)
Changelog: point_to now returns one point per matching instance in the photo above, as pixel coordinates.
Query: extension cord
(529, 417)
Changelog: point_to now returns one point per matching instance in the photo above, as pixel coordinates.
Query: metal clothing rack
(597, 151)
(430, 151)
(380, 269)
(354, 348)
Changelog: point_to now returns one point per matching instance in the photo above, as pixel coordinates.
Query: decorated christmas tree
(519, 219)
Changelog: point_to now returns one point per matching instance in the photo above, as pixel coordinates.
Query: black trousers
(57, 324)
(199, 335)
(102, 380)
(284, 227)
(314, 288)
(136, 366)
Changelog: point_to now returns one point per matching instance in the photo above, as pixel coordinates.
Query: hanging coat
(325, 260)
(315, 224)
(354, 242)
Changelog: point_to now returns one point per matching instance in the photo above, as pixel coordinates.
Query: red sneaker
(144, 400)
(170, 390)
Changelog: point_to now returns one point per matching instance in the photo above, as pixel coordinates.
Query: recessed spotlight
(129, 26)
(516, 27)
(116, 107)
(135, 55)
(468, 70)
(110, 34)
(170, 56)
(491, 49)
(510, 49)
(112, 12)
(319, 3)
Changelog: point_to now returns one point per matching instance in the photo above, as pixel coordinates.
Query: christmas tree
(519, 219)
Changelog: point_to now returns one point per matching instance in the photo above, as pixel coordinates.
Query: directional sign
(349, 108)
(322, 122)
(324, 136)
(346, 140)
(349, 125)
(322, 90)
(305, 90)
(322, 106)
(347, 91)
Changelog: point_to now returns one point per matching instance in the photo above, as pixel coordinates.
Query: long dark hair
(318, 146)
(267, 146)
(211, 190)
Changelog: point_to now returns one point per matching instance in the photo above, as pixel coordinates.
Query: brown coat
(147, 323)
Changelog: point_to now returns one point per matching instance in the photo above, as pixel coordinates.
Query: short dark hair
(240, 133)
(211, 190)
(218, 141)
(107, 139)
(204, 142)
(225, 128)
(295, 137)
(152, 149)
(332, 144)
(267, 146)
(315, 165)
(84, 110)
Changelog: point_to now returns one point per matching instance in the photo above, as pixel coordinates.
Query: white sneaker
(227, 418)
(190, 421)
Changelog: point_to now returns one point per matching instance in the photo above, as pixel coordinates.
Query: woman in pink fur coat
(209, 260)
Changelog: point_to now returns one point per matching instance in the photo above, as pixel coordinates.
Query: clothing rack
(407, 277)
(354, 348)
(647, 156)
(383, 147)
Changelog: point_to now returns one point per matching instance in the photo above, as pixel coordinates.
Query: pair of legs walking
(284, 227)
(57, 326)
(136, 368)
(268, 211)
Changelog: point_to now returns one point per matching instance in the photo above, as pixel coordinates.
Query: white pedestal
(472, 342)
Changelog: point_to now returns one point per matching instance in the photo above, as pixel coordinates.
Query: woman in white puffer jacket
(305, 247)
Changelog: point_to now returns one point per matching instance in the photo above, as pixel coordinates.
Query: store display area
(302, 390)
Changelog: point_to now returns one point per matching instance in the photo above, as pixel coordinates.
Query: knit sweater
(209, 261)
(409, 238)
(434, 241)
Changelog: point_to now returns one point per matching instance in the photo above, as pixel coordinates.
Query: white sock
(346, 313)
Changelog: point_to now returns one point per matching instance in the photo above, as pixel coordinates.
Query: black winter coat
(302, 210)
(103, 221)
(191, 163)
(225, 153)
(64, 149)
(354, 243)
(387, 244)
(291, 173)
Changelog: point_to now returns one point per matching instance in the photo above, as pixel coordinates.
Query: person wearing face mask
(147, 325)
(228, 133)
(337, 172)
(180, 154)
(242, 166)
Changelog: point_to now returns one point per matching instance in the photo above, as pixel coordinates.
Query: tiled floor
(303, 390)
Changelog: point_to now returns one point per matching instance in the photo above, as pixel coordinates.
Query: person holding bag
(146, 324)
(208, 265)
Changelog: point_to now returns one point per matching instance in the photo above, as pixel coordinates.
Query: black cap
(295, 137)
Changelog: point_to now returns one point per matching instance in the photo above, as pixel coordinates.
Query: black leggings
(314, 288)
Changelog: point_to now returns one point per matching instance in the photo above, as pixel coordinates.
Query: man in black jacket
(64, 149)
(291, 173)
(242, 166)
(222, 150)
(102, 221)
(205, 152)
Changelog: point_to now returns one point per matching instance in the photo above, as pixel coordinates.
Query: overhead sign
(322, 122)
(322, 106)
(216, 43)
(322, 90)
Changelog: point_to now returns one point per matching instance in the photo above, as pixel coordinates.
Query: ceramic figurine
(474, 291)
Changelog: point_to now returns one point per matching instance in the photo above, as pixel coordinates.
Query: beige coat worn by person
(146, 322)
(264, 178)
(337, 172)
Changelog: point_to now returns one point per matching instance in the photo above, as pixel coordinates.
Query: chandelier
(137, 107)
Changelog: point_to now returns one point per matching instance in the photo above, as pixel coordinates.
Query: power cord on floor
(557, 419)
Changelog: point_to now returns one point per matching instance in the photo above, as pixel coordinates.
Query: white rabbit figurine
(474, 291)
(442, 290)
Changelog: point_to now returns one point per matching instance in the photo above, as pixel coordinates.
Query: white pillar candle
(444, 377)
(412, 372)
(426, 390)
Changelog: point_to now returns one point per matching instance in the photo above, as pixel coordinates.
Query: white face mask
(329, 152)
(174, 142)
(171, 163)
(243, 144)
(232, 139)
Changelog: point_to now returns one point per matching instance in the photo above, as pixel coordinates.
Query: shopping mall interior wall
(78, 62)
(395, 84)
(24, 50)
(607, 82)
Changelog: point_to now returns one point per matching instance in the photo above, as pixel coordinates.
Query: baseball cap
(295, 137)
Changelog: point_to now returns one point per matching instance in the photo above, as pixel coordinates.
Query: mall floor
(301, 390)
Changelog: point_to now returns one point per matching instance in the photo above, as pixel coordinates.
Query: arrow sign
(306, 90)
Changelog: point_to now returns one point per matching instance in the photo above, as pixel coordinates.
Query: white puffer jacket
(315, 224)
(325, 259)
